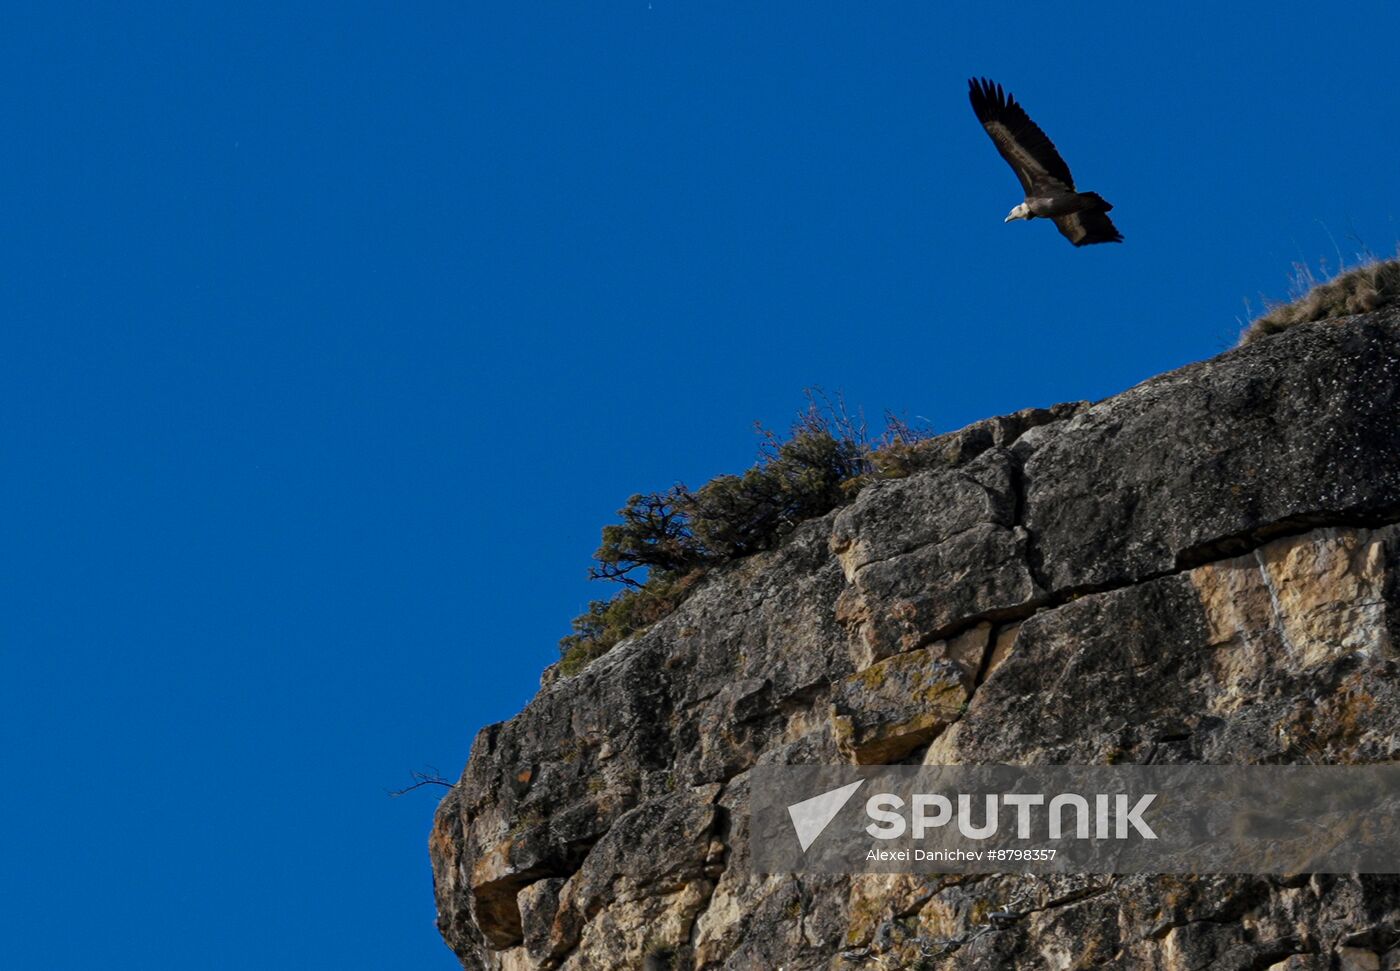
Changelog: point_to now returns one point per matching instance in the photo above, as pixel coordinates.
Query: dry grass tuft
(1370, 286)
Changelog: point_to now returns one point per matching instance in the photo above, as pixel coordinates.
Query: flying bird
(1082, 217)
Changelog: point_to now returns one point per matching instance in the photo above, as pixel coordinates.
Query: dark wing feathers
(1088, 226)
(1026, 148)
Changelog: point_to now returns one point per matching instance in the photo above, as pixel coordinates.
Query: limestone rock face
(1205, 568)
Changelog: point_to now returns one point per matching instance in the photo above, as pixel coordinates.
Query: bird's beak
(1009, 218)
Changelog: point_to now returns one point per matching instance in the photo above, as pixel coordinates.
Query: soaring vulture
(1082, 217)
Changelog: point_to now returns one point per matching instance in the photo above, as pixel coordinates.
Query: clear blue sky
(334, 333)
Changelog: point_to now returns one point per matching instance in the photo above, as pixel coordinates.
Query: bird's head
(1020, 212)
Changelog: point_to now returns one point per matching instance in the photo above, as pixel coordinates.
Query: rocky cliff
(1204, 568)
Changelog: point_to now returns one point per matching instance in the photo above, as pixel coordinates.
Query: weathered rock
(1232, 659)
(965, 444)
(1202, 569)
(639, 890)
(1211, 459)
(539, 903)
(891, 708)
(928, 555)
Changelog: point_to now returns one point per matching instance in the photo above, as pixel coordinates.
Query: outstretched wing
(1020, 141)
(1088, 226)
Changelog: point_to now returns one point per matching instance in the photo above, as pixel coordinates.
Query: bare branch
(431, 777)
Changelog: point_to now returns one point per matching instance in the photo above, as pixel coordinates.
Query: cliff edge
(1204, 568)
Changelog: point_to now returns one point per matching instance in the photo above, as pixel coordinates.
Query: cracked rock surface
(1204, 568)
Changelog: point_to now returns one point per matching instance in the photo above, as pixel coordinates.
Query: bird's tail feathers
(1099, 201)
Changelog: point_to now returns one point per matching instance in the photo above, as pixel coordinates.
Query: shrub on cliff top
(797, 480)
(608, 622)
(1371, 286)
(666, 541)
(826, 458)
(655, 534)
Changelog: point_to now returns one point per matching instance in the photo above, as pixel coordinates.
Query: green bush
(670, 539)
(655, 534)
(1371, 286)
(735, 515)
(608, 622)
